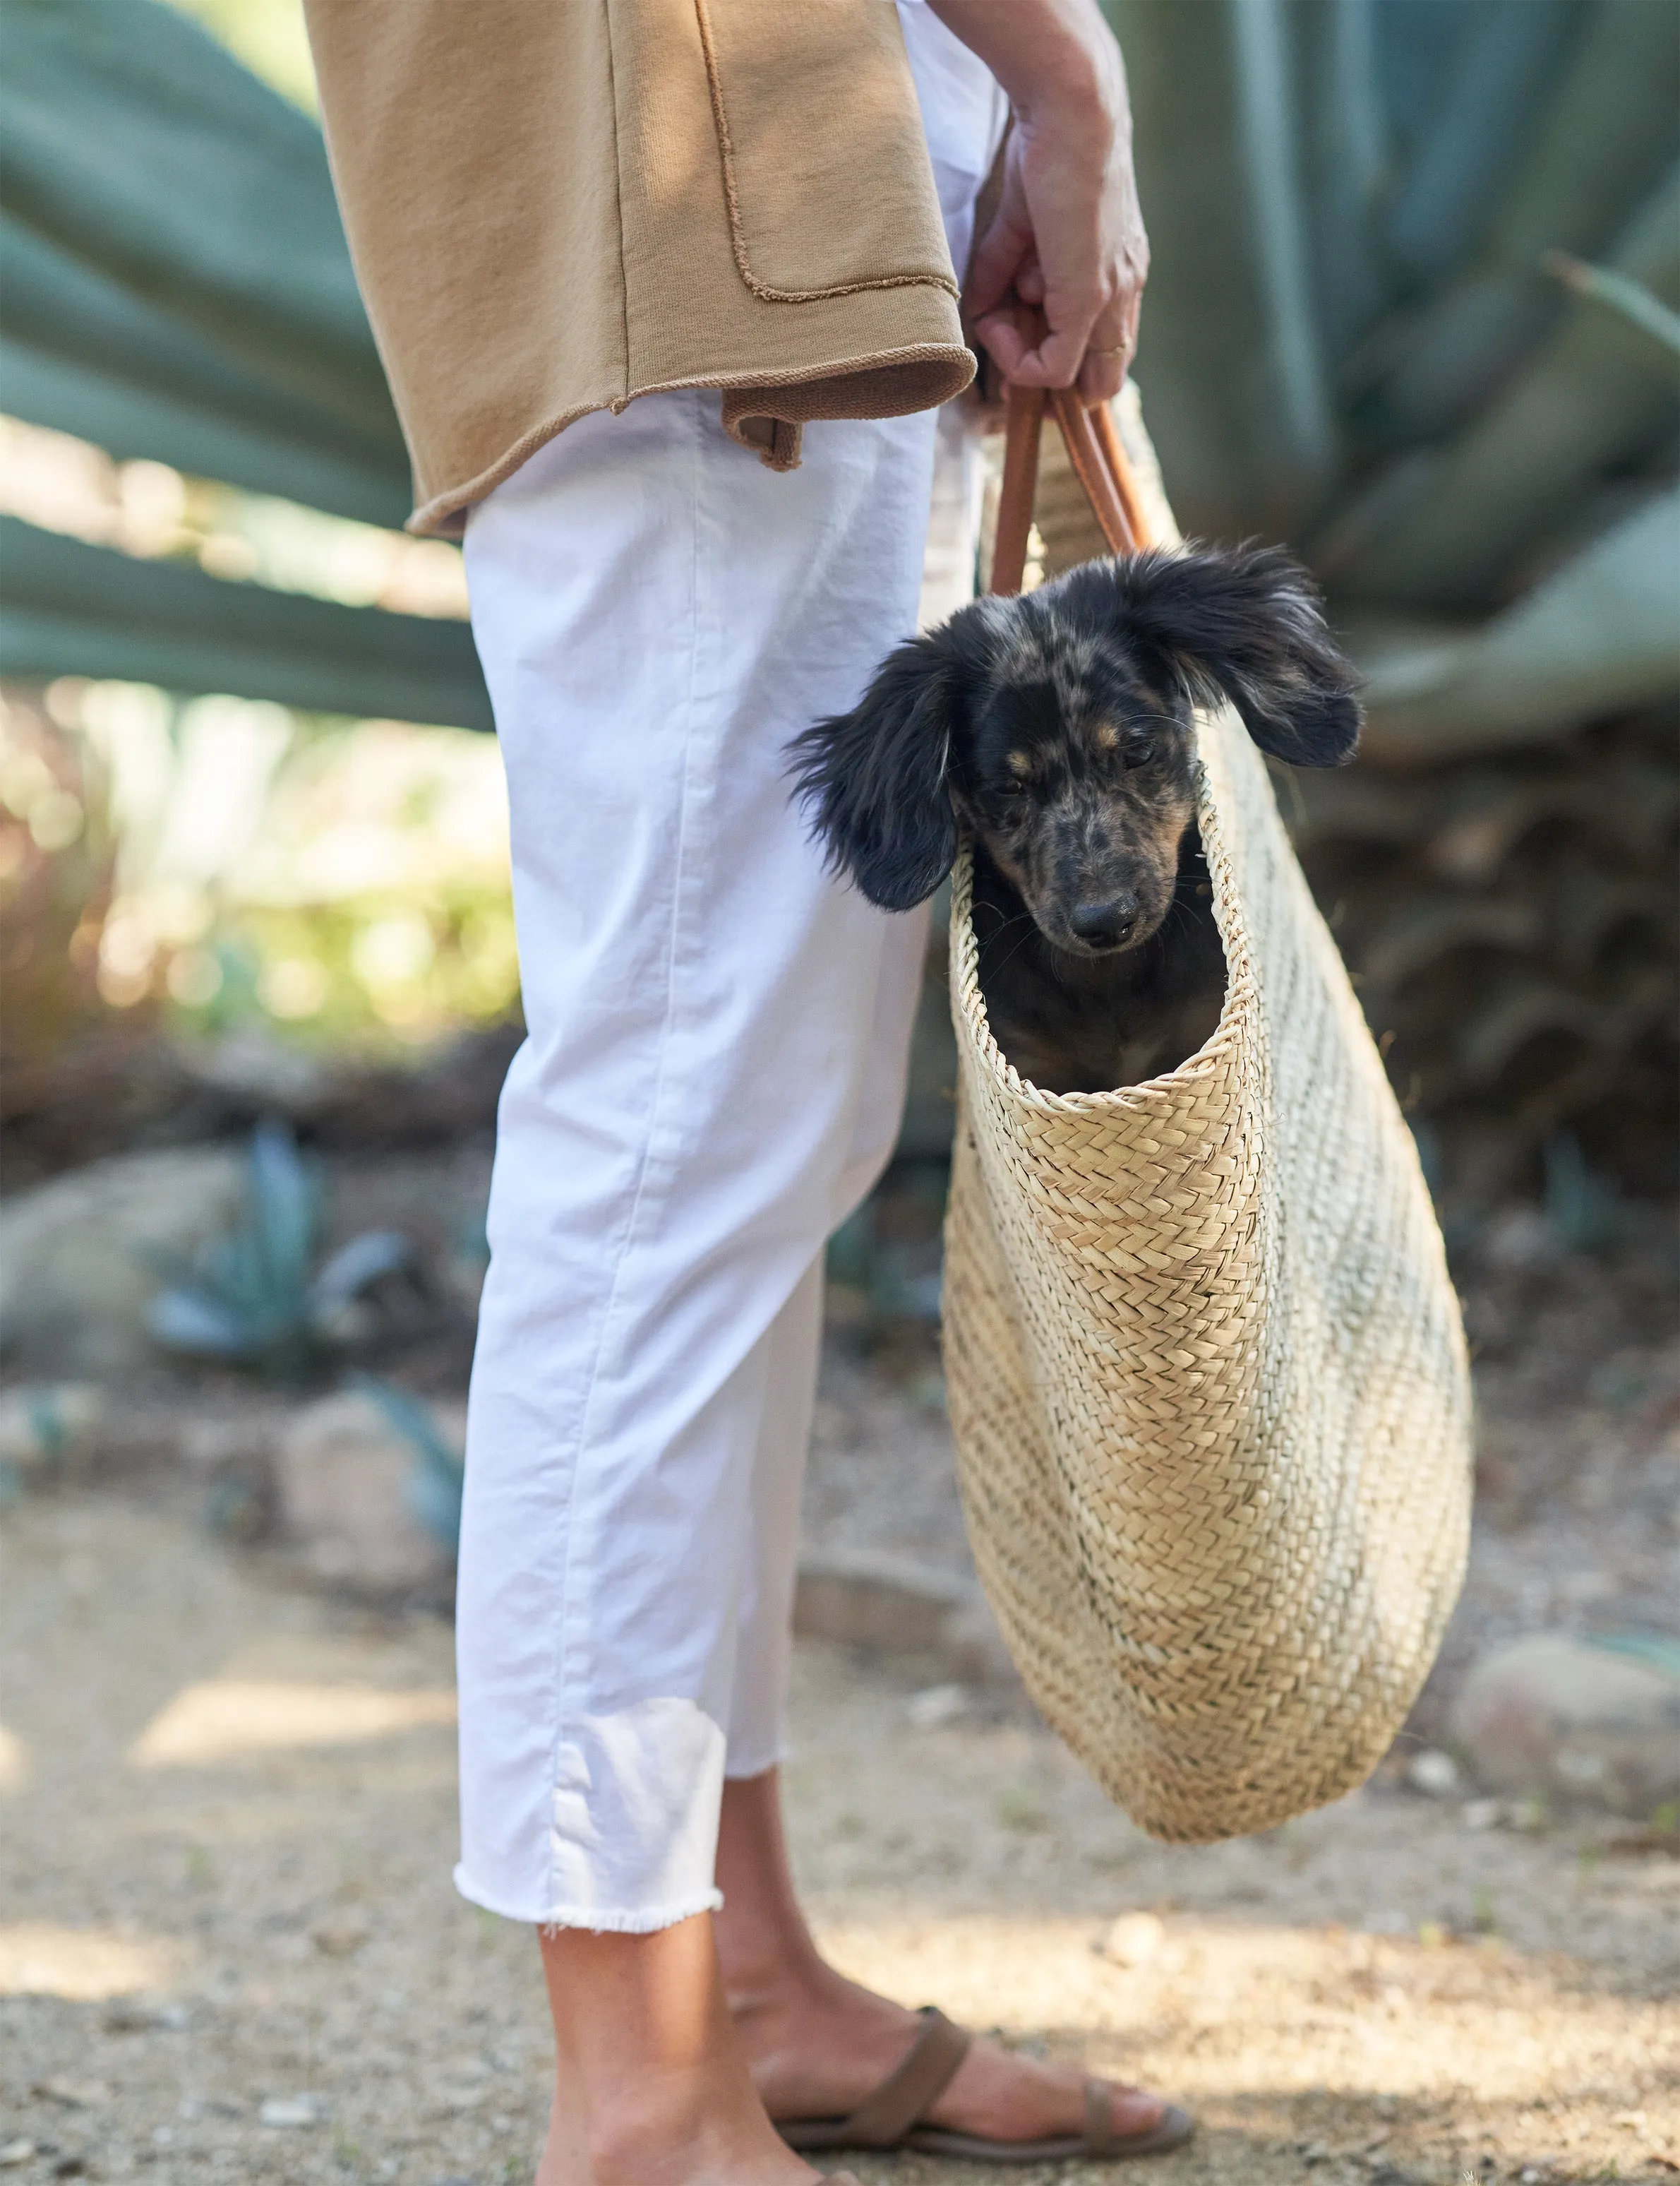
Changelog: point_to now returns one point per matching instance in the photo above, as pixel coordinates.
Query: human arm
(1068, 234)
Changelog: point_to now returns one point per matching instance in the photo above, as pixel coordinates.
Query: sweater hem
(444, 515)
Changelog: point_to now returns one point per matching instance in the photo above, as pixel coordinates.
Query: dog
(1056, 731)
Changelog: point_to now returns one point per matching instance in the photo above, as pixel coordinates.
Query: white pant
(711, 1079)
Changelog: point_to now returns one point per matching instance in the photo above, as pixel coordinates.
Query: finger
(1101, 377)
(1053, 362)
(1004, 342)
(1103, 369)
(1109, 352)
(997, 257)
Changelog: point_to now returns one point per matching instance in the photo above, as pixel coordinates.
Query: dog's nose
(1105, 925)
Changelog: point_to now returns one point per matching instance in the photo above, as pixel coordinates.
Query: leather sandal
(891, 2118)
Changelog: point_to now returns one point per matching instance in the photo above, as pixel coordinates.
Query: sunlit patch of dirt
(84, 1965)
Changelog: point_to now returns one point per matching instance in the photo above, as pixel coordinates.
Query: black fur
(875, 779)
(1057, 729)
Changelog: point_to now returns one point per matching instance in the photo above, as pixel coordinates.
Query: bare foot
(817, 2045)
(710, 2143)
(650, 2086)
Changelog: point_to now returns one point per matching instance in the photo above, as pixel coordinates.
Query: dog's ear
(874, 780)
(1245, 624)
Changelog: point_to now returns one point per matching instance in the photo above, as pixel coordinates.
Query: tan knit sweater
(556, 205)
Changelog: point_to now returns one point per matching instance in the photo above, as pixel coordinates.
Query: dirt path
(229, 1947)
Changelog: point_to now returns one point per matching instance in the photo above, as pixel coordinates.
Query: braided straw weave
(1207, 1376)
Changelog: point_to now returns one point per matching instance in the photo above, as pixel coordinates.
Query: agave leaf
(435, 1485)
(1607, 126)
(188, 1319)
(1598, 634)
(1416, 40)
(1441, 531)
(285, 1203)
(1616, 293)
(1231, 346)
(414, 1421)
(1656, 1650)
(1346, 145)
(363, 1260)
(436, 1503)
(1503, 60)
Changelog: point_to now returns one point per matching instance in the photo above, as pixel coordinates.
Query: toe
(1134, 2110)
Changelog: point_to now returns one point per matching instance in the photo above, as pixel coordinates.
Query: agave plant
(1414, 309)
(256, 1295)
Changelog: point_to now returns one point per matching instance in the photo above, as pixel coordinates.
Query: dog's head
(1058, 727)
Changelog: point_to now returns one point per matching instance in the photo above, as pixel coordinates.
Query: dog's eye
(1143, 754)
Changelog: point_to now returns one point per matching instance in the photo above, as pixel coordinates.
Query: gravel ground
(229, 1948)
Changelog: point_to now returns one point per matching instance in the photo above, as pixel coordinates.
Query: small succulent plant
(255, 1297)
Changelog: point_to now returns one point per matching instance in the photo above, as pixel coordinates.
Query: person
(718, 1029)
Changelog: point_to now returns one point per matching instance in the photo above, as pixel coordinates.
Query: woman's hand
(1068, 235)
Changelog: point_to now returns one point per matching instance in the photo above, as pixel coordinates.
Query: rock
(1134, 1939)
(72, 2094)
(342, 1475)
(1433, 1772)
(867, 1599)
(1574, 1723)
(936, 1705)
(79, 1256)
(14, 2152)
(895, 1606)
(289, 2110)
(132, 2015)
(339, 1939)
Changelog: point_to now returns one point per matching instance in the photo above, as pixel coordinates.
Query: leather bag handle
(1099, 463)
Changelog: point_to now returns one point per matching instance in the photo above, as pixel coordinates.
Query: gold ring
(1118, 349)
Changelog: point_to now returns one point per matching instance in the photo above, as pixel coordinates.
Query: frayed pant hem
(602, 1922)
(599, 1920)
(738, 1771)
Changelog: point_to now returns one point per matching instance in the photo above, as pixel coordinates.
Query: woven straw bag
(1207, 1374)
